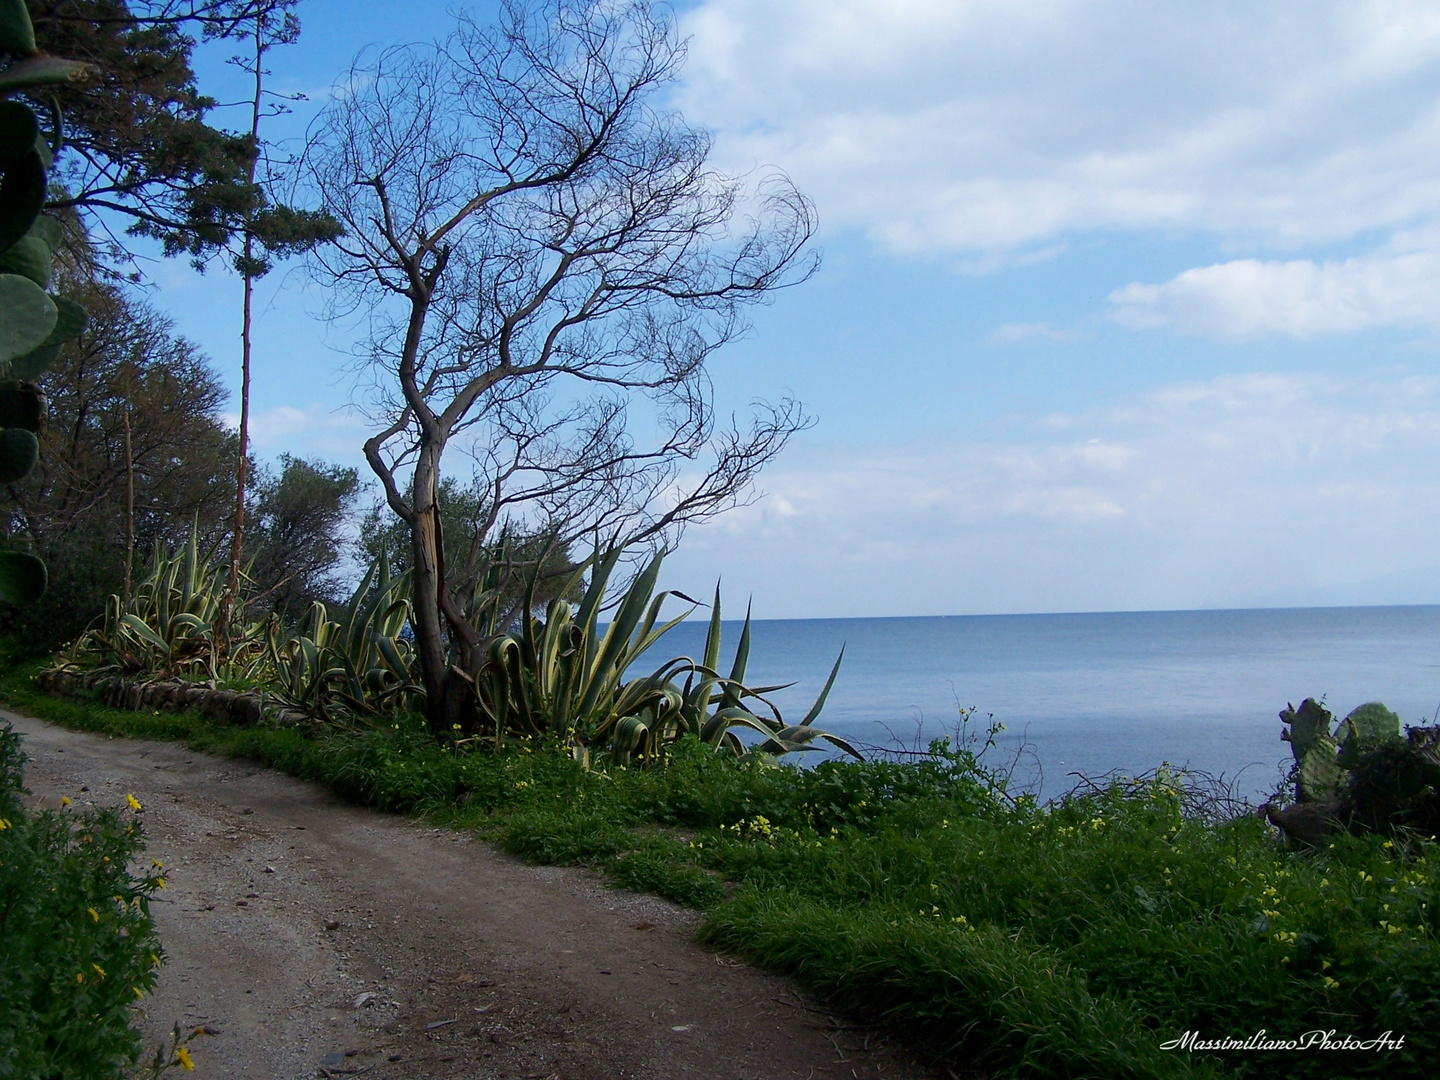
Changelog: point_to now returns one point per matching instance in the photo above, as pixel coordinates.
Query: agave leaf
(352, 608)
(742, 661)
(605, 670)
(589, 612)
(390, 653)
(824, 693)
(138, 627)
(648, 634)
(631, 735)
(733, 716)
(712, 634)
(760, 691)
(841, 744)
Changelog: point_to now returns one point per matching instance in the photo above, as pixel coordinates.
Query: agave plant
(360, 662)
(565, 677)
(166, 629)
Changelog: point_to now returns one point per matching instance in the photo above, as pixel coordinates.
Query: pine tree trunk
(232, 586)
(129, 509)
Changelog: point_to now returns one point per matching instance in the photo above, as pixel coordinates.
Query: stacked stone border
(241, 708)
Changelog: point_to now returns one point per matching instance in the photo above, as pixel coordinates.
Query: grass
(1063, 941)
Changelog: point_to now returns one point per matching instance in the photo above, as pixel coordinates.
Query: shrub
(77, 943)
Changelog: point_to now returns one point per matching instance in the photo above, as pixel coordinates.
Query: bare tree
(536, 247)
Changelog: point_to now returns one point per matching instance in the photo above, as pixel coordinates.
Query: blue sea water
(1090, 693)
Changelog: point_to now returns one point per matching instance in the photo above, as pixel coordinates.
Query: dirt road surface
(318, 939)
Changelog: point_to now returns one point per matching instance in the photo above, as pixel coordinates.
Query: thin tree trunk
(238, 537)
(232, 587)
(129, 507)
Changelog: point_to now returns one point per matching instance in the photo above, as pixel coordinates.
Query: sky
(1123, 306)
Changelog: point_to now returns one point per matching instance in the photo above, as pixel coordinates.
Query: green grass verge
(1066, 941)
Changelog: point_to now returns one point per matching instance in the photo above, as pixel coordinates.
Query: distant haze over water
(1095, 692)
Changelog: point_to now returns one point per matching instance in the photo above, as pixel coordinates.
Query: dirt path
(320, 939)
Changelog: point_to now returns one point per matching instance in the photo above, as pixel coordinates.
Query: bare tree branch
(546, 261)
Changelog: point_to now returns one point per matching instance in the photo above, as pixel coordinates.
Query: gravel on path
(315, 938)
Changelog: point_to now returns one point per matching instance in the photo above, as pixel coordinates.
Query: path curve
(321, 939)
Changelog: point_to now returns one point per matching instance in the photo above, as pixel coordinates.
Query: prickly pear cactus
(1318, 772)
(1366, 777)
(1304, 726)
(33, 323)
(1365, 729)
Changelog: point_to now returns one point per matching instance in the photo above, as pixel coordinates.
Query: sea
(1083, 695)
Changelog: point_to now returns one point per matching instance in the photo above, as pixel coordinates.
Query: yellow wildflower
(182, 1055)
(94, 914)
(79, 976)
(132, 802)
(98, 970)
(160, 883)
(64, 800)
(1330, 984)
(139, 994)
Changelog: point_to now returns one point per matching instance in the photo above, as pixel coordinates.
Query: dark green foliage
(72, 508)
(294, 536)
(463, 514)
(22, 193)
(29, 316)
(138, 142)
(1396, 785)
(985, 998)
(77, 944)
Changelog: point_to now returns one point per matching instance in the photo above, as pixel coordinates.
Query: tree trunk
(129, 508)
(237, 540)
(447, 644)
(445, 685)
(232, 586)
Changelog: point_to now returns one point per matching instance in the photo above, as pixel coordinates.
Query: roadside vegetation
(77, 943)
(1069, 939)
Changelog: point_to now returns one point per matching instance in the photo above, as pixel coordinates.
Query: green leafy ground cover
(1071, 940)
(77, 945)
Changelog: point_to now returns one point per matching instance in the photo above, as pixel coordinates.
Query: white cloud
(1017, 332)
(996, 125)
(316, 430)
(1298, 298)
(1242, 491)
